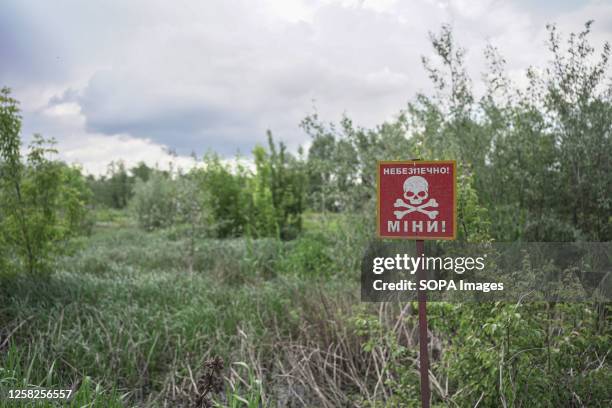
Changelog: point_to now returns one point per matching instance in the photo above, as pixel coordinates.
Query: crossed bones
(419, 208)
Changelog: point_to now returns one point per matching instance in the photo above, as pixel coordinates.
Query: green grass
(112, 218)
(124, 312)
(322, 222)
(123, 323)
(17, 376)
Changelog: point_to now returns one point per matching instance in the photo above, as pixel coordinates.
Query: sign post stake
(418, 200)
(423, 342)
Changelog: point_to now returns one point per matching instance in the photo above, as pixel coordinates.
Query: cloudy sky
(127, 79)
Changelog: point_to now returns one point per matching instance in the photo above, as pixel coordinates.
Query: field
(126, 316)
(236, 282)
(123, 322)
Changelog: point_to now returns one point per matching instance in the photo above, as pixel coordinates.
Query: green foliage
(262, 220)
(532, 166)
(402, 379)
(277, 191)
(536, 158)
(472, 217)
(341, 166)
(17, 374)
(122, 323)
(154, 203)
(308, 257)
(518, 356)
(123, 313)
(76, 198)
(42, 201)
(494, 354)
(265, 203)
(225, 192)
(178, 204)
(115, 188)
(109, 217)
(245, 392)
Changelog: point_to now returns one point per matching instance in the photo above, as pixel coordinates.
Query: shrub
(154, 202)
(308, 257)
(42, 201)
(225, 196)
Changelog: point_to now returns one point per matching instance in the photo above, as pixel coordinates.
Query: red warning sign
(417, 199)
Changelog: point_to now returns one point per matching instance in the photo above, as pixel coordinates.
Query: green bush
(265, 203)
(308, 257)
(42, 201)
(225, 196)
(154, 202)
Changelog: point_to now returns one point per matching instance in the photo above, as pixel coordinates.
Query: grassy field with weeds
(122, 322)
(163, 280)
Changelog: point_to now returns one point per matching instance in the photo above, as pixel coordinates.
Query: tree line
(534, 163)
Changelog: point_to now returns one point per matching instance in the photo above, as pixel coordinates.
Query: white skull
(416, 189)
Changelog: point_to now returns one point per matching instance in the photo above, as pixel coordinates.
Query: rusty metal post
(423, 342)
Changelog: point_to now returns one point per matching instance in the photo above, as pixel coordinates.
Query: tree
(578, 104)
(320, 166)
(120, 184)
(142, 171)
(342, 161)
(277, 192)
(154, 202)
(42, 201)
(225, 193)
(549, 156)
(192, 213)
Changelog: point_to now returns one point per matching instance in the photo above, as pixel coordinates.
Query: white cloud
(94, 151)
(63, 109)
(126, 79)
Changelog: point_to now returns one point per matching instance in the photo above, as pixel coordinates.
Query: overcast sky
(125, 79)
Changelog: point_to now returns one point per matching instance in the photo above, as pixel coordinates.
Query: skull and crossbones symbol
(416, 190)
